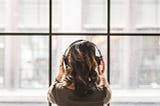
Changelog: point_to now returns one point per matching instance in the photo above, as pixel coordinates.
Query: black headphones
(98, 58)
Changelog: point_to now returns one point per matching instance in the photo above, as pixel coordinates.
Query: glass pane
(25, 63)
(135, 16)
(34, 62)
(79, 15)
(24, 15)
(2, 51)
(135, 65)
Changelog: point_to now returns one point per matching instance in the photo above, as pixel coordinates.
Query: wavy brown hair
(82, 68)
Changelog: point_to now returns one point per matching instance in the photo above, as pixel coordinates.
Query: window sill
(135, 96)
(118, 96)
(23, 96)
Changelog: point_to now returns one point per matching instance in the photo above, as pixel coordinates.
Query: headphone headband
(81, 41)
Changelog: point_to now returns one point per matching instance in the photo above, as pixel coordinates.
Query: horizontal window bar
(134, 34)
(103, 34)
(10, 34)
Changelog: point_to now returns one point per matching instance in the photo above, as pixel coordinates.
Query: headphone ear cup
(98, 60)
(67, 66)
(102, 66)
(65, 61)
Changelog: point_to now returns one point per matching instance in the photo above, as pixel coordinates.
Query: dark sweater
(64, 96)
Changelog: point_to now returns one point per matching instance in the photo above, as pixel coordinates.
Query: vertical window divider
(50, 45)
(108, 41)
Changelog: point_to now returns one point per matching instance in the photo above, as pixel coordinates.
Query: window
(131, 48)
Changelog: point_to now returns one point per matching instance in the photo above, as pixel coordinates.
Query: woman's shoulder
(59, 86)
(62, 86)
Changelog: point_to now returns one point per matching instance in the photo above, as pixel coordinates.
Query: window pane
(135, 16)
(135, 70)
(24, 15)
(1, 61)
(79, 15)
(24, 64)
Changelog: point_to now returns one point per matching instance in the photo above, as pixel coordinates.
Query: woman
(80, 80)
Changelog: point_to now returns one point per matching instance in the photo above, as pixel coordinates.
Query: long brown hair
(82, 68)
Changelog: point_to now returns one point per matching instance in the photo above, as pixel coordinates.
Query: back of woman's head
(82, 70)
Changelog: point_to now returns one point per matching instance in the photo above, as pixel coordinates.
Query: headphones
(98, 58)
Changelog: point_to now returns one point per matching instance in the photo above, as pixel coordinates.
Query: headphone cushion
(98, 60)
